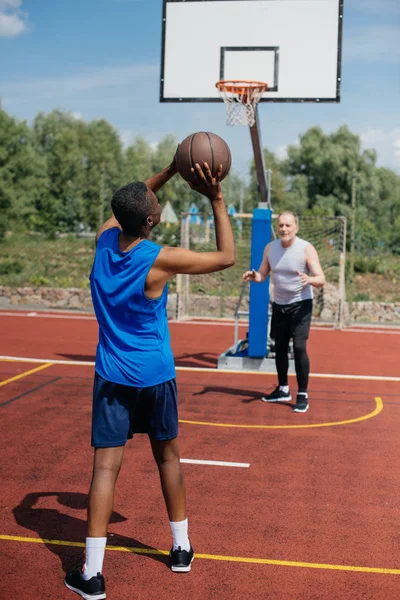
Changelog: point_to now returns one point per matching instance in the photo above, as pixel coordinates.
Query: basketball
(200, 147)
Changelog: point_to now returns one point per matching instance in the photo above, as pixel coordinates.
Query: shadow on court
(80, 357)
(199, 359)
(53, 524)
(248, 396)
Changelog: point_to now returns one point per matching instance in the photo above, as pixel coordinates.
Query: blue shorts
(119, 411)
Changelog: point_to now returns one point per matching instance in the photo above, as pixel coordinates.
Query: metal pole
(259, 162)
(269, 177)
(353, 226)
(241, 200)
(342, 276)
(100, 212)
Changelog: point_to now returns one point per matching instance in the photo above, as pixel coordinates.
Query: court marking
(83, 363)
(378, 409)
(26, 373)
(219, 557)
(390, 329)
(30, 391)
(216, 463)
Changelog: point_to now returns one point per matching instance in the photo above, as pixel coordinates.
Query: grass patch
(34, 261)
(37, 261)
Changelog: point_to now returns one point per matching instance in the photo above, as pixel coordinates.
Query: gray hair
(289, 212)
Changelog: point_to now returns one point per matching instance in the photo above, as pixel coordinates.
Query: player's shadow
(83, 357)
(199, 359)
(54, 524)
(248, 396)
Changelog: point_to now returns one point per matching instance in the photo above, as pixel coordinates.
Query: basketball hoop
(241, 99)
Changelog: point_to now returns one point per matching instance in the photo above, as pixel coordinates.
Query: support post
(259, 292)
(259, 162)
(353, 226)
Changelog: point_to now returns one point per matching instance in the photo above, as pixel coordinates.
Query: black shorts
(119, 411)
(291, 320)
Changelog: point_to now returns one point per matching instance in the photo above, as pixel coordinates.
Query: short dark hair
(131, 205)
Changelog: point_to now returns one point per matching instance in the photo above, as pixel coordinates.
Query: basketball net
(241, 99)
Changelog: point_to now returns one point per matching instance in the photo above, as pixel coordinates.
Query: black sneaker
(301, 404)
(92, 588)
(181, 560)
(277, 396)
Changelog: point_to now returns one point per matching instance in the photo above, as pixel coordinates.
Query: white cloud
(379, 43)
(281, 151)
(13, 21)
(127, 137)
(386, 143)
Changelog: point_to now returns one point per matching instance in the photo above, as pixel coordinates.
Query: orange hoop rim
(237, 85)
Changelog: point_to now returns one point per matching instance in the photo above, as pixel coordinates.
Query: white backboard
(293, 45)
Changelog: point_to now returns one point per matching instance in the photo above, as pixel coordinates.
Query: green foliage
(60, 174)
(167, 234)
(10, 267)
(362, 297)
(23, 178)
(38, 261)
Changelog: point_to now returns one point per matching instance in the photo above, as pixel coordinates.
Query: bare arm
(263, 270)
(171, 261)
(155, 182)
(317, 277)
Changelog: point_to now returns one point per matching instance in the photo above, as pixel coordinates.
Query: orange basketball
(200, 147)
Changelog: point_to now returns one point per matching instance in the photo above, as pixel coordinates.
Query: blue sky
(101, 58)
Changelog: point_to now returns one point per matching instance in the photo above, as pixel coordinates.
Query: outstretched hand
(252, 275)
(205, 183)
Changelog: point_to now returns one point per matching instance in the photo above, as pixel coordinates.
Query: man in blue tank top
(296, 269)
(134, 385)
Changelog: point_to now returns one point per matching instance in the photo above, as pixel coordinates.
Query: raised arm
(171, 261)
(155, 182)
(317, 277)
(180, 260)
(263, 270)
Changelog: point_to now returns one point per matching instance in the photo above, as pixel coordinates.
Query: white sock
(180, 534)
(303, 394)
(94, 556)
(284, 388)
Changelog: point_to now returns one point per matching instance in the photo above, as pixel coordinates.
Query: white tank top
(284, 263)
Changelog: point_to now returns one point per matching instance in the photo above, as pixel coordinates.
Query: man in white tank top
(295, 269)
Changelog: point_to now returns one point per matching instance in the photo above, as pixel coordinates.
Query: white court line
(48, 316)
(208, 370)
(82, 317)
(216, 463)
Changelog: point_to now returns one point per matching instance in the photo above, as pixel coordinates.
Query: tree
(23, 177)
(101, 148)
(57, 138)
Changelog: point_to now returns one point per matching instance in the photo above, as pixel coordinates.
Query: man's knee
(300, 345)
(108, 459)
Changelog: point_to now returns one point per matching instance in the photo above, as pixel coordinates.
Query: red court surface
(299, 506)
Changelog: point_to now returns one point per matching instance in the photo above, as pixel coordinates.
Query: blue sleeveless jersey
(134, 344)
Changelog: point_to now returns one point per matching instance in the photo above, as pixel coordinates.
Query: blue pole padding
(259, 292)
